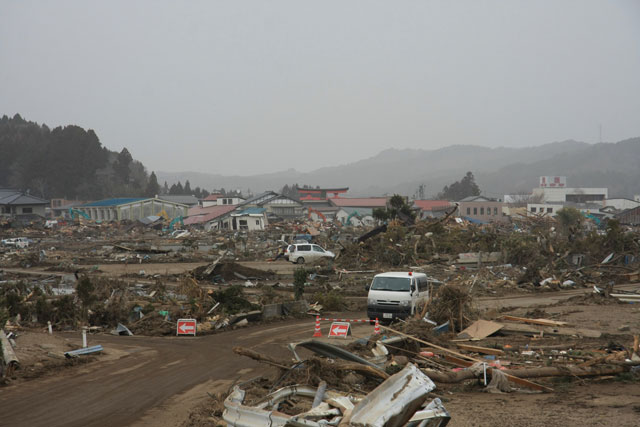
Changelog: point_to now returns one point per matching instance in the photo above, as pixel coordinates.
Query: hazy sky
(258, 86)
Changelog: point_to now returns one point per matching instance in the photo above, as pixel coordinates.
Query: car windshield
(399, 284)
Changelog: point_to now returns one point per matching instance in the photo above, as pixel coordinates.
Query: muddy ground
(166, 381)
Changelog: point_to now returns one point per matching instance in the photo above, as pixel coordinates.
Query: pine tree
(153, 188)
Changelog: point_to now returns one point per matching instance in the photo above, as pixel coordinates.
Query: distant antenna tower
(600, 126)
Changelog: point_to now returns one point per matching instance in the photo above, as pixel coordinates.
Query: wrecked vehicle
(18, 242)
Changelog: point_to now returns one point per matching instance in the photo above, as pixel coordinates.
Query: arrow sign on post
(340, 329)
(186, 327)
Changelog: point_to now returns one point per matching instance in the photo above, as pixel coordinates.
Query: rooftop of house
(212, 197)
(198, 215)
(477, 199)
(14, 197)
(249, 212)
(185, 199)
(368, 202)
(320, 190)
(429, 205)
(266, 195)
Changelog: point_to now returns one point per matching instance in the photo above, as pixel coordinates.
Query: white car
(18, 242)
(300, 253)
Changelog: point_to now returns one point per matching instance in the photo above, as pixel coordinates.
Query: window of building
(482, 210)
(257, 222)
(495, 211)
(533, 209)
(468, 211)
(549, 210)
(27, 210)
(475, 211)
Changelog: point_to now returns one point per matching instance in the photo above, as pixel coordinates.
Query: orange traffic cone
(376, 328)
(317, 333)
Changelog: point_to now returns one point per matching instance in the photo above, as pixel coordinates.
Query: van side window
(423, 284)
(302, 248)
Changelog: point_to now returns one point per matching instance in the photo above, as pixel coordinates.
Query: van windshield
(400, 284)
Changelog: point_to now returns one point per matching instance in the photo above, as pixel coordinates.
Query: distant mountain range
(498, 171)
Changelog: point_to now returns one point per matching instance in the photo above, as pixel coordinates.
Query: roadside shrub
(330, 301)
(299, 279)
(44, 309)
(65, 310)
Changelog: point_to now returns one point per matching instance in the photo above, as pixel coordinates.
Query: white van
(397, 294)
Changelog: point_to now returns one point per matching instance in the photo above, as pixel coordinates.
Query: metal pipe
(317, 400)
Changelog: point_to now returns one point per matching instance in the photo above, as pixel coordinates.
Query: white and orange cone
(317, 333)
(376, 328)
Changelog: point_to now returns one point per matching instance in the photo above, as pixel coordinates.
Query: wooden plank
(517, 328)
(483, 350)
(463, 356)
(543, 322)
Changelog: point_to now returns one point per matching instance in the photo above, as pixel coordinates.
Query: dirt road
(281, 268)
(155, 383)
(119, 392)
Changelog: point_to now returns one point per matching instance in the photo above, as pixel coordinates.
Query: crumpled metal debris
(394, 403)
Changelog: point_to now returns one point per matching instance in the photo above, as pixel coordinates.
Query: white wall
(621, 204)
(551, 195)
(538, 208)
(253, 222)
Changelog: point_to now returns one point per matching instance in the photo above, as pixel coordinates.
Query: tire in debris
(300, 260)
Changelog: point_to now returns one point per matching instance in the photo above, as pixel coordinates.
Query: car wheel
(300, 260)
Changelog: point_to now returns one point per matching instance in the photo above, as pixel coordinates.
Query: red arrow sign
(340, 329)
(186, 327)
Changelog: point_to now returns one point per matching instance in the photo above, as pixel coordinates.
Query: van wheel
(300, 260)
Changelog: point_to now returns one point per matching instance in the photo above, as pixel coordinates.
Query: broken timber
(463, 356)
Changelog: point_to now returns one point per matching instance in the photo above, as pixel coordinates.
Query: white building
(621, 203)
(553, 190)
(544, 208)
(356, 217)
(220, 200)
(249, 219)
(574, 195)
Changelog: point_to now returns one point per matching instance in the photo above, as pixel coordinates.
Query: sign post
(186, 327)
(340, 329)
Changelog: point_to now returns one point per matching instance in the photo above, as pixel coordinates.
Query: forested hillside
(67, 162)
